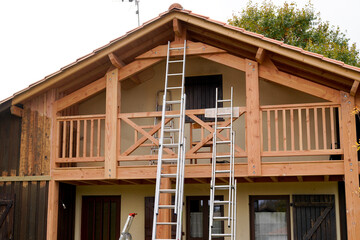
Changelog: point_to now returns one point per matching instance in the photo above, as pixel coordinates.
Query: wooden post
(112, 108)
(164, 231)
(53, 204)
(253, 144)
(351, 166)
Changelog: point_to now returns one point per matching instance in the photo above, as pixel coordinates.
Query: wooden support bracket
(354, 88)
(16, 111)
(118, 63)
(260, 55)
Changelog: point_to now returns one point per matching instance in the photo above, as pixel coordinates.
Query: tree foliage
(298, 27)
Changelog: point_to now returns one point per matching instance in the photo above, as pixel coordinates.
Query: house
(78, 149)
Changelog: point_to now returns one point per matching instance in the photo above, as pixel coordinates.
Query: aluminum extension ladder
(172, 80)
(228, 161)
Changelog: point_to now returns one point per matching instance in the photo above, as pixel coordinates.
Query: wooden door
(100, 218)
(6, 217)
(314, 217)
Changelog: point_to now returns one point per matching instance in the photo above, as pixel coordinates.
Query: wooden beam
(135, 67)
(118, 63)
(227, 60)
(253, 118)
(300, 178)
(81, 94)
(192, 48)
(112, 108)
(52, 215)
(269, 72)
(178, 29)
(16, 111)
(351, 165)
(274, 179)
(25, 178)
(354, 88)
(164, 231)
(260, 55)
(248, 179)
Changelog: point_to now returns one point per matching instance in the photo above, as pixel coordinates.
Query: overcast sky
(38, 37)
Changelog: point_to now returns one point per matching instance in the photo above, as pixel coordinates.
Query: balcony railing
(300, 130)
(286, 130)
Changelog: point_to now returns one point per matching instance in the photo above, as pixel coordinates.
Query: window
(200, 92)
(269, 217)
(100, 218)
(197, 217)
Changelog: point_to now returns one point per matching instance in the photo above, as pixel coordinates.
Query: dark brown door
(100, 218)
(66, 211)
(314, 217)
(197, 217)
(6, 216)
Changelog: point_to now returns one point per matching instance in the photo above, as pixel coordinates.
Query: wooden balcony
(295, 130)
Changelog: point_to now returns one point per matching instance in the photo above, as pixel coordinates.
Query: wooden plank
(284, 129)
(308, 140)
(276, 130)
(300, 130)
(260, 55)
(332, 127)
(321, 152)
(268, 129)
(253, 118)
(16, 111)
(354, 88)
(135, 67)
(192, 48)
(292, 132)
(268, 72)
(82, 94)
(324, 128)
(227, 60)
(112, 92)
(316, 128)
(351, 166)
(52, 215)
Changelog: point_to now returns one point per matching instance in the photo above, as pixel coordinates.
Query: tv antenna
(137, 9)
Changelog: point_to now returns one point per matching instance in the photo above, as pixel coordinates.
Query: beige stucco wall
(132, 200)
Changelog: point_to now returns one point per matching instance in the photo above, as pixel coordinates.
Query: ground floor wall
(133, 200)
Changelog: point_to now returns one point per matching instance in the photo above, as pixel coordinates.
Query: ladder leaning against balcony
(226, 159)
(172, 80)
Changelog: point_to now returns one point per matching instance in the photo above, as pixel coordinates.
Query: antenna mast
(137, 9)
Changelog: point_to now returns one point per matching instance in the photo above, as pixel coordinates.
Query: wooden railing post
(253, 143)
(112, 108)
(351, 166)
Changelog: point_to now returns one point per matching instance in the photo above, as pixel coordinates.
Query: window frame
(253, 198)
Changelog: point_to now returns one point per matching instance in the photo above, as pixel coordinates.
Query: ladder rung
(167, 190)
(224, 187)
(168, 175)
(223, 156)
(172, 116)
(170, 145)
(221, 202)
(221, 235)
(224, 100)
(173, 102)
(171, 130)
(166, 206)
(224, 114)
(171, 160)
(175, 74)
(166, 223)
(176, 48)
(223, 142)
(172, 88)
(220, 218)
(176, 61)
(222, 171)
(223, 128)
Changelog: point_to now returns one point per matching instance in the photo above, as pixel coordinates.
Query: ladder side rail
(183, 70)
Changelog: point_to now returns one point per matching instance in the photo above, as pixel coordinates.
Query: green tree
(298, 27)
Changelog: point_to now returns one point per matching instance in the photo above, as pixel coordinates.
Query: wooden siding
(29, 210)
(36, 135)
(10, 128)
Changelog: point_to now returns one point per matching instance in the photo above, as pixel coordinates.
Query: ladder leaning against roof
(172, 80)
(226, 159)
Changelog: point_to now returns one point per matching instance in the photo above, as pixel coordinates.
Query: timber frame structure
(91, 148)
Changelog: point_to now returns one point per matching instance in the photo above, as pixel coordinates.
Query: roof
(176, 11)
